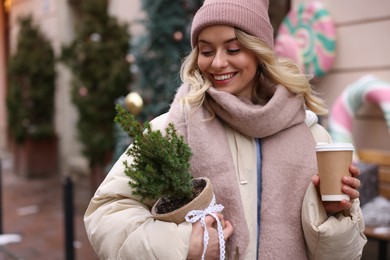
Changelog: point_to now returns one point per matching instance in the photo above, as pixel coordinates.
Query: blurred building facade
(363, 37)
(362, 47)
(56, 19)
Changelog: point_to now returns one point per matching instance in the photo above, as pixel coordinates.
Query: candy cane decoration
(367, 89)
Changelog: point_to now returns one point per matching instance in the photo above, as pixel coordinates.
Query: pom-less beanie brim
(253, 22)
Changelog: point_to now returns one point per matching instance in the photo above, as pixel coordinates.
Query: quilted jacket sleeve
(335, 237)
(119, 226)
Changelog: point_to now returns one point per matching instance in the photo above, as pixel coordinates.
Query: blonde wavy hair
(271, 71)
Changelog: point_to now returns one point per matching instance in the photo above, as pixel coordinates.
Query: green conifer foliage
(31, 74)
(97, 58)
(161, 162)
(160, 51)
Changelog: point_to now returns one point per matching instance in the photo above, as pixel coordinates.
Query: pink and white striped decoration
(307, 36)
(367, 89)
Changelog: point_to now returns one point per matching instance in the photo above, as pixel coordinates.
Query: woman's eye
(206, 53)
(233, 51)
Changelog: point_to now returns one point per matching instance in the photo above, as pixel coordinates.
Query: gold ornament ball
(178, 36)
(134, 103)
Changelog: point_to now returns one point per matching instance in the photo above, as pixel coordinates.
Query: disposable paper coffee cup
(333, 160)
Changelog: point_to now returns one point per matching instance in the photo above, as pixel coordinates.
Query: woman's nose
(220, 60)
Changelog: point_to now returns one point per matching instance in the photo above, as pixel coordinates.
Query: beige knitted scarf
(288, 162)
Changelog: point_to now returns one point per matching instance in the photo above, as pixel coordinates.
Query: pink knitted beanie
(251, 16)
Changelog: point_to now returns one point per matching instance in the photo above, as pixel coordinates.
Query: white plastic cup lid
(323, 147)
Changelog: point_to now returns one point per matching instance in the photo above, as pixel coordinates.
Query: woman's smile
(223, 78)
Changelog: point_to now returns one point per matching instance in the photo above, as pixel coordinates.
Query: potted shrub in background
(30, 102)
(97, 60)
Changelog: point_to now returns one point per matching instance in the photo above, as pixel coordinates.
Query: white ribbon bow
(196, 215)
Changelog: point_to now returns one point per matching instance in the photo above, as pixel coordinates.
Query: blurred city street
(33, 212)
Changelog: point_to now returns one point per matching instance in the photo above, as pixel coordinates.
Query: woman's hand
(351, 185)
(196, 242)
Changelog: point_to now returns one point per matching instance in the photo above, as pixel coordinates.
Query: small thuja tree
(97, 58)
(31, 75)
(160, 168)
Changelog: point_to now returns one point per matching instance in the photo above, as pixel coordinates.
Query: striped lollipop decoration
(367, 89)
(308, 34)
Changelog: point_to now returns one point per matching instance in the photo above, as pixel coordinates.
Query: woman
(242, 111)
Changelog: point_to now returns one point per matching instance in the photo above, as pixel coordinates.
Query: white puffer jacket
(120, 227)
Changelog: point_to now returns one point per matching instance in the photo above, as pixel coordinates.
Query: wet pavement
(32, 217)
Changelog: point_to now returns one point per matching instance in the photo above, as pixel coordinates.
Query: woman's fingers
(316, 180)
(352, 190)
(352, 183)
(226, 225)
(211, 221)
(355, 171)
